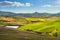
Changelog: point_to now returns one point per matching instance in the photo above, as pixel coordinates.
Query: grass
(32, 31)
(51, 27)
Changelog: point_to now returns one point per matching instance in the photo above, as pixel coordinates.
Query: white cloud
(55, 4)
(47, 5)
(28, 4)
(9, 3)
(17, 4)
(58, 2)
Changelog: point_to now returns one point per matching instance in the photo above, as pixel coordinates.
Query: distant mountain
(58, 14)
(36, 14)
(2, 13)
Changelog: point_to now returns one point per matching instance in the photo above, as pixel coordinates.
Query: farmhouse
(13, 26)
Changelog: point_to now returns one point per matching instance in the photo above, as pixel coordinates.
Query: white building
(13, 26)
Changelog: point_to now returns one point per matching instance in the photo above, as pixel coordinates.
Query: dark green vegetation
(15, 34)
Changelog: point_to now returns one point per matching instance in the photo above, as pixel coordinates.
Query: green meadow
(33, 28)
(50, 26)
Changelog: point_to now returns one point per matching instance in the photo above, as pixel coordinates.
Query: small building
(13, 26)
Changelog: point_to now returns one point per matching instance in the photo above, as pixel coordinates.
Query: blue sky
(30, 6)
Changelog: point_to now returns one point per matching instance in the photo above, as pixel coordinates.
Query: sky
(30, 6)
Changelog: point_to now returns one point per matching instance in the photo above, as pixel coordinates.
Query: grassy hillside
(15, 34)
(13, 20)
(50, 27)
(33, 29)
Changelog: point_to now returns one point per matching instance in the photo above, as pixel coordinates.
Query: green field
(32, 29)
(50, 27)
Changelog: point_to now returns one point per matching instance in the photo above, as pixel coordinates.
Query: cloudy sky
(30, 6)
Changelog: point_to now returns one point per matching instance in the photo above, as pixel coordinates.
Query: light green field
(49, 27)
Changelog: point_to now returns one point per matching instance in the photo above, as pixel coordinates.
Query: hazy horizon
(29, 12)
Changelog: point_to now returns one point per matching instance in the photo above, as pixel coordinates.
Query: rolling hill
(37, 26)
(15, 34)
(50, 27)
